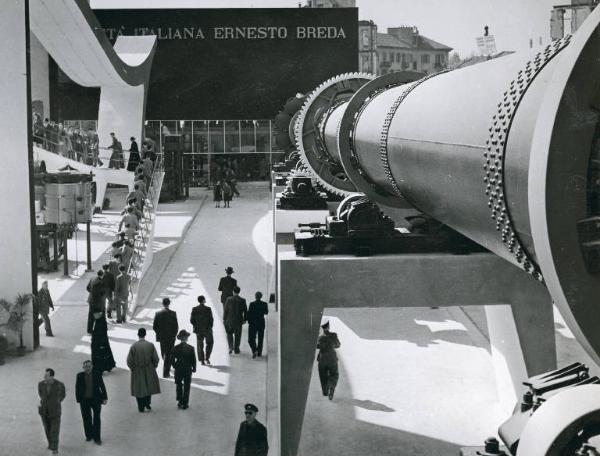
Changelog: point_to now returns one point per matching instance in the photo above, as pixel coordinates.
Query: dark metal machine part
(504, 152)
(539, 389)
(360, 228)
(300, 194)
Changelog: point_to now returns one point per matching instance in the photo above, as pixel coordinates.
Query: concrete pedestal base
(523, 343)
(286, 220)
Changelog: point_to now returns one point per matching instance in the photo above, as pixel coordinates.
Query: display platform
(518, 310)
(285, 221)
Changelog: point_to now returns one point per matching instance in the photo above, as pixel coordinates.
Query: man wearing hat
(328, 361)
(252, 436)
(165, 326)
(183, 359)
(202, 320)
(226, 285)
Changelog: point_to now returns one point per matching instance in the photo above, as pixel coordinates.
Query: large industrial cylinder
(505, 152)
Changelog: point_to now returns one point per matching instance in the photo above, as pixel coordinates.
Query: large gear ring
(309, 140)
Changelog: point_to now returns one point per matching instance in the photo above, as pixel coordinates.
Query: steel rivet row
(383, 142)
(496, 150)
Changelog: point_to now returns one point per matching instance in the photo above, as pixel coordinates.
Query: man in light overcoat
(143, 361)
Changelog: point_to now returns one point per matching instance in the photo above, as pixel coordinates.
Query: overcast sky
(455, 23)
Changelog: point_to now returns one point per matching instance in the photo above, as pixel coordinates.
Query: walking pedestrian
(142, 360)
(328, 361)
(217, 194)
(234, 316)
(226, 285)
(102, 357)
(116, 158)
(122, 294)
(165, 326)
(52, 393)
(227, 193)
(90, 394)
(256, 324)
(183, 359)
(44, 305)
(95, 288)
(108, 279)
(252, 436)
(202, 321)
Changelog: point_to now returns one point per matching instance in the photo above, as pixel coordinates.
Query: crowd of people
(225, 186)
(83, 145)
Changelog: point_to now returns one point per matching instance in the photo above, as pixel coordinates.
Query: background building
(566, 19)
(331, 3)
(367, 47)
(403, 48)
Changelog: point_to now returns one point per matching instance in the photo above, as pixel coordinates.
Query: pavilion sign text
(234, 33)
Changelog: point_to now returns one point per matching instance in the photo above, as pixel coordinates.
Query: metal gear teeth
(300, 122)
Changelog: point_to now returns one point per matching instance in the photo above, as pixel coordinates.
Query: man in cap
(234, 316)
(252, 436)
(122, 294)
(165, 326)
(202, 321)
(183, 359)
(142, 360)
(226, 285)
(328, 361)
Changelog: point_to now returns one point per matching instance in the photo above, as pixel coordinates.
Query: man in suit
(328, 360)
(109, 288)
(226, 285)
(142, 361)
(202, 321)
(183, 359)
(256, 324)
(234, 316)
(96, 297)
(44, 304)
(52, 393)
(165, 326)
(90, 394)
(252, 436)
(121, 294)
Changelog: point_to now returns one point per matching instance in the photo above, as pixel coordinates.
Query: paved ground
(194, 244)
(412, 381)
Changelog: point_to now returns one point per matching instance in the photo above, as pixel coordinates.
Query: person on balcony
(116, 158)
(134, 155)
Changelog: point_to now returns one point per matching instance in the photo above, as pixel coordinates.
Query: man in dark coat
(96, 297)
(52, 393)
(226, 285)
(116, 158)
(328, 360)
(142, 360)
(90, 394)
(165, 326)
(256, 324)
(134, 155)
(202, 321)
(109, 288)
(183, 359)
(252, 436)
(234, 316)
(44, 304)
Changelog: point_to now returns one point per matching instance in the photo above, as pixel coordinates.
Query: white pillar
(15, 218)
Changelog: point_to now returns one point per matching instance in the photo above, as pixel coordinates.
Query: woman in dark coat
(102, 357)
(134, 156)
(217, 194)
